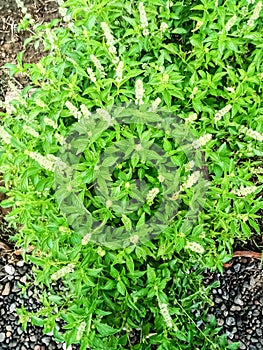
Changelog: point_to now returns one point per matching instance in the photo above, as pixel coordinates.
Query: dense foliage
(116, 71)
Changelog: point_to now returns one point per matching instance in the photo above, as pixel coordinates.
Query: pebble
(230, 321)
(238, 300)
(7, 288)
(10, 270)
(2, 337)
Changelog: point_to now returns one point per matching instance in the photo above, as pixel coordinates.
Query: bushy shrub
(195, 69)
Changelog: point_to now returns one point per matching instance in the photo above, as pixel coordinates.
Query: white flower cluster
(47, 162)
(202, 141)
(255, 14)
(80, 331)
(219, 115)
(169, 4)
(91, 75)
(257, 171)
(134, 239)
(73, 110)
(50, 122)
(230, 23)
(244, 191)
(63, 11)
(166, 314)
(191, 180)
(151, 195)
(119, 71)
(60, 138)
(40, 103)
(30, 131)
(85, 112)
(110, 41)
(195, 247)
(155, 105)
(104, 114)
(191, 118)
(252, 133)
(139, 91)
(86, 239)
(189, 166)
(5, 136)
(62, 272)
(143, 19)
(101, 252)
(20, 4)
(98, 65)
(163, 27)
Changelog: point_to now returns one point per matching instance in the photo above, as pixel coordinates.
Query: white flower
(86, 239)
(155, 104)
(85, 112)
(139, 91)
(222, 112)
(80, 330)
(134, 239)
(5, 136)
(101, 252)
(230, 23)
(195, 247)
(98, 65)
(255, 14)
(251, 133)
(191, 180)
(161, 178)
(169, 4)
(163, 27)
(166, 315)
(189, 166)
(73, 110)
(104, 114)
(151, 195)
(202, 141)
(40, 103)
(62, 272)
(91, 75)
(109, 40)
(43, 161)
(194, 92)
(50, 122)
(191, 118)
(119, 70)
(231, 89)
(244, 191)
(60, 138)
(143, 16)
(30, 131)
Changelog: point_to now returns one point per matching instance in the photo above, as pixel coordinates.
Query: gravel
(238, 302)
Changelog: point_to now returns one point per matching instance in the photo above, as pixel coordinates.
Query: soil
(241, 273)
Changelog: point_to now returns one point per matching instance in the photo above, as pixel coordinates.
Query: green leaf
(106, 330)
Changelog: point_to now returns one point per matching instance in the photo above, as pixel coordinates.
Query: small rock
(8, 334)
(237, 267)
(238, 300)
(12, 307)
(33, 338)
(220, 322)
(37, 347)
(242, 346)
(10, 270)
(20, 263)
(2, 337)
(259, 332)
(230, 321)
(6, 290)
(235, 308)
